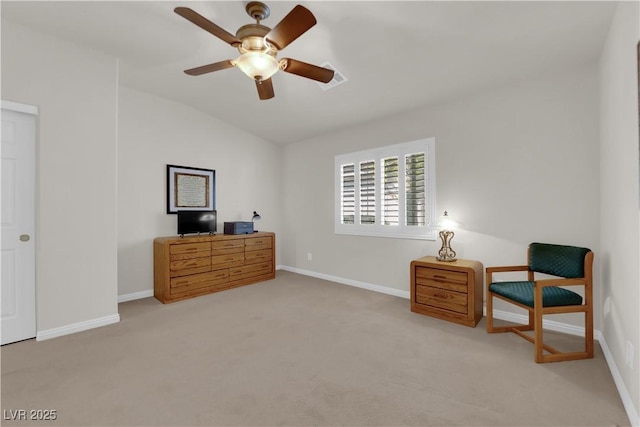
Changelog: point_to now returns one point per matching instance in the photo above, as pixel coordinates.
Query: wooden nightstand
(447, 290)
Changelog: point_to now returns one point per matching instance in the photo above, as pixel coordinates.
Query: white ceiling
(397, 56)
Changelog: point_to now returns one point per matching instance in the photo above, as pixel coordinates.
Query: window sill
(429, 235)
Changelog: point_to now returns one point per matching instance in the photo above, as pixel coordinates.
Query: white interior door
(18, 296)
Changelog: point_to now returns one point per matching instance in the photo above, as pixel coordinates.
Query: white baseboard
(627, 401)
(77, 327)
(356, 283)
(135, 295)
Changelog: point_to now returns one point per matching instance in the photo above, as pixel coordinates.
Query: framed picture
(191, 189)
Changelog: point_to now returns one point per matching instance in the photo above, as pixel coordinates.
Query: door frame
(34, 111)
(19, 108)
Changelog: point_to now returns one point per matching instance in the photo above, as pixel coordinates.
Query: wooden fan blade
(265, 89)
(207, 25)
(292, 26)
(217, 66)
(309, 71)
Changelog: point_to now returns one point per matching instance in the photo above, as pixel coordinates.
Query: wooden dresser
(186, 267)
(447, 290)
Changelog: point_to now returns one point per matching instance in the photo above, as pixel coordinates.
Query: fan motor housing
(252, 36)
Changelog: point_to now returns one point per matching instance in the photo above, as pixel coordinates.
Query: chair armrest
(581, 281)
(507, 268)
(491, 270)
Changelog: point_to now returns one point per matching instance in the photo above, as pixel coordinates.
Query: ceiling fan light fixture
(259, 45)
(258, 66)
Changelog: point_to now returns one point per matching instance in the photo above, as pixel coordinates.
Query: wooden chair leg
(588, 332)
(537, 333)
(489, 311)
(531, 320)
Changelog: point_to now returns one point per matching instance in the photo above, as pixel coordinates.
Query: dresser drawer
(231, 246)
(190, 247)
(440, 298)
(198, 281)
(439, 275)
(228, 260)
(189, 266)
(252, 270)
(189, 255)
(252, 257)
(258, 243)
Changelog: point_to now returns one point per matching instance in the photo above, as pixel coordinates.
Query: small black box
(238, 227)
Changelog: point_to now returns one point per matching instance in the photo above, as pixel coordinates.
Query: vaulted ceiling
(396, 56)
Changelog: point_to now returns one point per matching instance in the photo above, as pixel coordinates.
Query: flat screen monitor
(191, 222)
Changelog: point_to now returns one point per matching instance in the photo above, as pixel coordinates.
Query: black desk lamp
(256, 217)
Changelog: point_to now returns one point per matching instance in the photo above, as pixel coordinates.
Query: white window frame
(428, 231)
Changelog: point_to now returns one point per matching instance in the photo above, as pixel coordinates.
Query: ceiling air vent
(338, 77)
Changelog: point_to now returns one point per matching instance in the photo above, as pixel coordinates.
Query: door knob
(24, 237)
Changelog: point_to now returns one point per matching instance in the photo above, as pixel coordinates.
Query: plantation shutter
(368, 192)
(348, 197)
(415, 189)
(391, 191)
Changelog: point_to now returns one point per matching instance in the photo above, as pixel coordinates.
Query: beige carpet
(299, 351)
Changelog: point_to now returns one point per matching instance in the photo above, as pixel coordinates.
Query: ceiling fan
(259, 45)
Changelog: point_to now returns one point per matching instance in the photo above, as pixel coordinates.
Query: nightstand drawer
(453, 301)
(439, 275)
(457, 287)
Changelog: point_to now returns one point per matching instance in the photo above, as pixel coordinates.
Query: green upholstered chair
(570, 266)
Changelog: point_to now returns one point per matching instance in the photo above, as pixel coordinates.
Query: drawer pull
(437, 277)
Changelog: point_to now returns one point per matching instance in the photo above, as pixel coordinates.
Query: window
(387, 191)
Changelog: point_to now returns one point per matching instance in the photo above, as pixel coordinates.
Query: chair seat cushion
(522, 292)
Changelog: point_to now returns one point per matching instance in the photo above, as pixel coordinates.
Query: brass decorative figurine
(446, 235)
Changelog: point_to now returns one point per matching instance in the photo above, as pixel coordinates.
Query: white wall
(517, 164)
(154, 132)
(75, 90)
(619, 193)
(514, 165)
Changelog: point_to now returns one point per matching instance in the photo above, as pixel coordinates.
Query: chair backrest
(557, 260)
